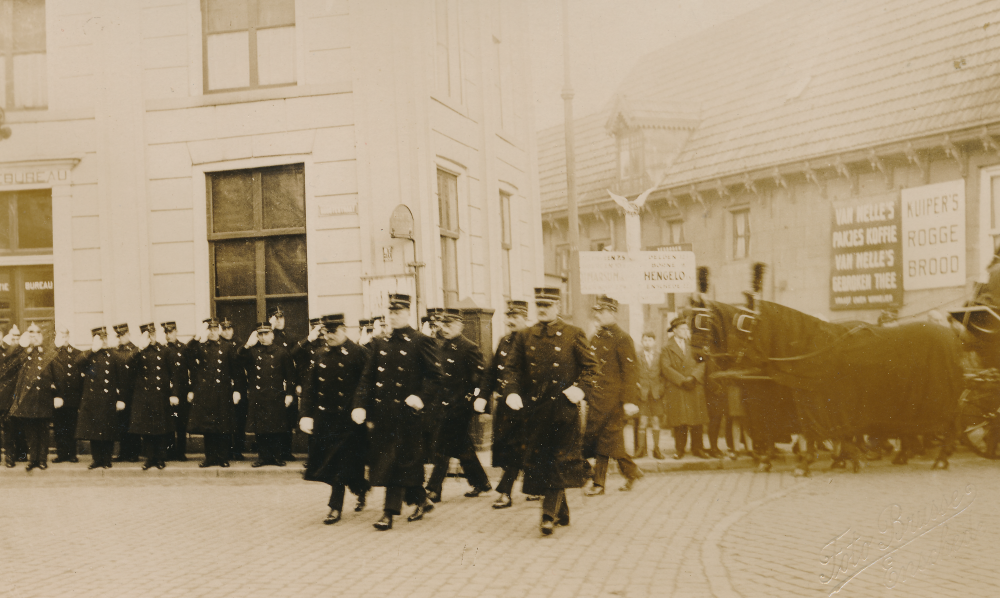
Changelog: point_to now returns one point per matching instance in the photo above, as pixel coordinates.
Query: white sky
(607, 37)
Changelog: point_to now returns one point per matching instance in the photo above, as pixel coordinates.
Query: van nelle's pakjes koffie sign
(867, 267)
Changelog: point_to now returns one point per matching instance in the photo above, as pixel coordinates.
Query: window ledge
(248, 95)
(34, 115)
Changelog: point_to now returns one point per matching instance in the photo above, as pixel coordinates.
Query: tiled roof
(596, 162)
(799, 79)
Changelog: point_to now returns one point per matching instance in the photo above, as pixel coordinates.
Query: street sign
(668, 271)
(640, 277)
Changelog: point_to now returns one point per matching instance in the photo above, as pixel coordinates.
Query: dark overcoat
(682, 407)
(270, 378)
(546, 359)
(68, 376)
(508, 425)
(213, 365)
(617, 384)
(35, 387)
(304, 355)
(339, 446)
(102, 381)
(12, 358)
(282, 339)
(154, 374)
(180, 382)
(404, 364)
(462, 370)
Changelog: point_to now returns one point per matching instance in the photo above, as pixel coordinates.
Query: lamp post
(579, 311)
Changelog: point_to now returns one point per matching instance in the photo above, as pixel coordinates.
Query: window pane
(449, 271)
(6, 293)
(5, 198)
(34, 219)
(283, 192)
(232, 202)
(228, 15)
(235, 268)
(505, 219)
(30, 81)
(285, 265)
(38, 287)
(3, 82)
(296, 317)
(271, 13)
(243, 315)
(229, 60)
(505, 273)
(29, 25)
(276, 56)
(448, 200)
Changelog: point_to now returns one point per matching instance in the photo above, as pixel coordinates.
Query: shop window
(449, 231)
(27, 294)
(257, 246)
(23, 64)
(741, 234)
(505, 242)
(248, 43)
(26, 222)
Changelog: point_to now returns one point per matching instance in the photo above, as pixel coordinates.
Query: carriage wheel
(979, 421)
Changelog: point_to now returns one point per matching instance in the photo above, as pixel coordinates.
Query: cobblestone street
(727, 533)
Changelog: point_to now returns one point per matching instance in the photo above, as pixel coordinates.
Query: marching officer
(615, 396)
(213, 393)
(508, 432)
(238, 437)
(338, 444)
(70, 381)
(276, 317)
(177, 440)
(459, 400)
(401, 376)
(153, 398)
(35, 396)
(14, 445)
(103, 378)
(552, 366)
(269, 391)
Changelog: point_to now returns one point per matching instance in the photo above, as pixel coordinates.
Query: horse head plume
(758, 277)
(703, 279)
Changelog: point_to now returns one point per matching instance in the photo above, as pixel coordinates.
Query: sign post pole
(633, 244)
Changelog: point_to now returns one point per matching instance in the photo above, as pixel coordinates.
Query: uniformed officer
(238, 437)
(212, 396)
(70, 382)
(614, 397)
(129, 445)
(153, 396)
(269, 391)
(459, 400)
(276, 317)
(552, 366)
(508, 425)
(177, 441)
(401, 375)
(35, 396)
(100, 404)
(14, 445)
(338, 444)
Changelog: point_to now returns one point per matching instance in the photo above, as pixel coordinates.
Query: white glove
(253, 340)
(306, 425)
(190, 397)
(62, 339)
(288, 400)
(202, 335)
(631, 409)
(479, 405)
(365, 337)
(57, 402)
(8, 339)
(175, 401)
(273, 321)
(574, 394)
(415, 402)
(120, 406)
(24, 341)
(113, 341)
(514, 401)
(358, 415)
(298, 390)
(143, 341)
(97, 344)
(313, 334)
(236, 397)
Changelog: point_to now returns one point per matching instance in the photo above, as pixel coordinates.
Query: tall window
(448, 75)
(26, 222)
(448, 213)
(248, 43)
(27, 293)
(672, 232)
(505, 242)
(630, 159)
(23, 77)
(257, 246)
(741, 234)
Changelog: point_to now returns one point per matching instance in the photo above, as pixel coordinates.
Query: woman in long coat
(684, 392)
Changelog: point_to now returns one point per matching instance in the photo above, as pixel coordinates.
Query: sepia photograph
(499, 298)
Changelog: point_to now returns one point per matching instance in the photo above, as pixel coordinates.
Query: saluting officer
(552, 366)
(458, 400)
(338, 444)
(14, 446)
(508, 425)
(212, 396)
(401, 375)
(615, 395)
(238, 437)
(181, 381)
(364, 332)
(129, 445)
(154, 396)
(269, 391)
(276, 317)
(35, 396)
(103, 378)
(70, 381)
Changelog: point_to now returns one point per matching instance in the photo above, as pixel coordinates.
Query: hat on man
(517, 308)
(169, 326)
(121, 329)
(314, 322)
(450, 314)
(332, 321)
(434, 313)
(399, 301)
(364, 324)
(546, 295)
(605, 302)
(150, 328)
(212, 322)
(675, 323)
(275, 312)
(226, 323)
(264, 327)
(99, 331)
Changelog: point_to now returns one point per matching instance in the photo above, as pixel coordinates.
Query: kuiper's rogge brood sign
(644, 274)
